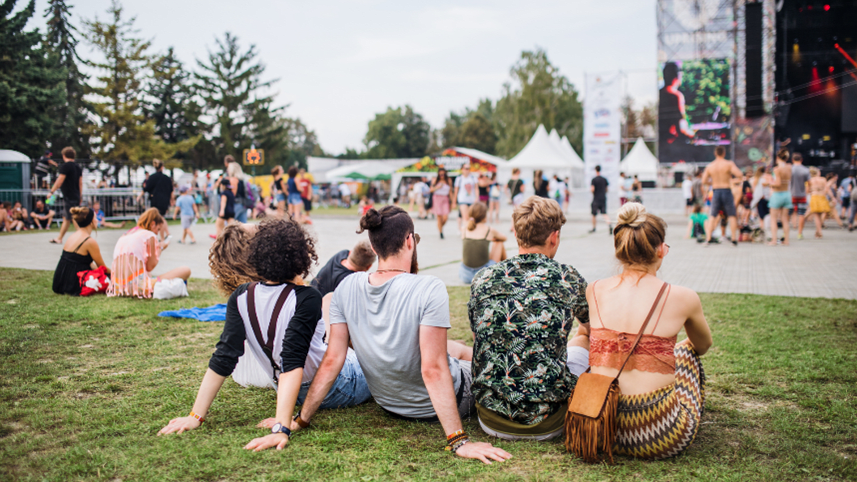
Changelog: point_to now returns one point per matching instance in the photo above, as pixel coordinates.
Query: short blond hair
(535, 219)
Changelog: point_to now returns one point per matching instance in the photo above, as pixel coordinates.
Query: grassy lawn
(85, 384)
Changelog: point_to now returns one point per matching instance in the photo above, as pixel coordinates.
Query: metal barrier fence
(118, 204)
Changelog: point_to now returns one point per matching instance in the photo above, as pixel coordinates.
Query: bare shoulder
(685, 297)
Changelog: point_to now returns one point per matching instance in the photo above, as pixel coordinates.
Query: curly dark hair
(281, 250)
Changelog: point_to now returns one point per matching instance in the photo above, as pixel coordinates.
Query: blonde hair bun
(632, 214)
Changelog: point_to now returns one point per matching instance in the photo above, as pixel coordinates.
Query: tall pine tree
(30, 87)
(69, 116)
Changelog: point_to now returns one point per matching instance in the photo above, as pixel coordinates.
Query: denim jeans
(348, 389)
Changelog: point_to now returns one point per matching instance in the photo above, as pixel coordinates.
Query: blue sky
(340, 62)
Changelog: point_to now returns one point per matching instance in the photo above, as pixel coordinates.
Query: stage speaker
(753, 54)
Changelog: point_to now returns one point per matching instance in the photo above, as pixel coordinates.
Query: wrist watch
(280, 428)
(301, 422)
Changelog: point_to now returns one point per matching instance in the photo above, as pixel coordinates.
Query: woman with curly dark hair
(281, 319)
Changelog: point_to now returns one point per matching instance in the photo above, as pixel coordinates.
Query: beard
(415, 266)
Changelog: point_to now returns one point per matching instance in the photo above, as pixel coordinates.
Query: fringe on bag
(583, 434)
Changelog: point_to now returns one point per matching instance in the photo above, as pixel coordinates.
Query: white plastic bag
(169, 288)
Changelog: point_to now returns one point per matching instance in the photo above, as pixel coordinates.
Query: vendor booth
(452, 160)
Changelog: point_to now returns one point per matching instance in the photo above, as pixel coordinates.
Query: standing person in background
(781, 198)
(441, 192)
(160, 189)
(567, 195)
(637, 190)
(761, 195)
(687, 192)
(494, 199)
(719, 174)
(189, 213)
(70, 182)
(515, 188)
(43, 169)
(227, 206)
(278, 192)
(845, 188)
(237, 180)
(295, 201)
(624, 188)
(541, 185)
(559, 190)
(833, 197)
(466, 192)
(421, 193)
(598, 187)
(345, 195)
(305, 185)
(696, 188)
(797, 186)
(818, 204)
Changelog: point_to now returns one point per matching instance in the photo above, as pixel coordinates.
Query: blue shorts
(466, 273)
(348, 389)
(281, 197)
(296, 199)
(780, 200)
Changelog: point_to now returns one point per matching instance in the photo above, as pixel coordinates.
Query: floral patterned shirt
(521, 311)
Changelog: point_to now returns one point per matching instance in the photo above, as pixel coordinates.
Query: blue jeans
(348, 389)
(466, 273)
(240, 213)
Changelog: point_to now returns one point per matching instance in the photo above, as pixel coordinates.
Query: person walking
(598, 187)
(781, 199)
(797, 187)
(466, 193)
(70, 183)
(441, 190)
(189, 213)
(515, 188)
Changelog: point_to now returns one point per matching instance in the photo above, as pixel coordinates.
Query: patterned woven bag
(591, 418)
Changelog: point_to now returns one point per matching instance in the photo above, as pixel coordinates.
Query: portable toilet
(14, 177)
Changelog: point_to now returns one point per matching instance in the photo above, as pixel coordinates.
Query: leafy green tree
(230, 82)
(30, 86)
(123, 132)
(537, 94)
(451, 130)
(478, 133)
(69, 116)
(397, 133)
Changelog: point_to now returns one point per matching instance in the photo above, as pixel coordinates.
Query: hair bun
(371, 220)
(632, 214)
(78, 210)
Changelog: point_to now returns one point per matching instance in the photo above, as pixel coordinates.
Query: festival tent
(372, 170)
(640, 162)
(541, 153)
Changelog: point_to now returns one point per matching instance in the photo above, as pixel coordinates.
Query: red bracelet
(196, 417)
(455, 434)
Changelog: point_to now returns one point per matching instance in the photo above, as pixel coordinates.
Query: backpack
(249, 195)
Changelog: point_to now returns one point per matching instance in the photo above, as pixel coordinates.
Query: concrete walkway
(824, 268)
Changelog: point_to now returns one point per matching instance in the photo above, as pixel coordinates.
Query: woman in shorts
(441, 189)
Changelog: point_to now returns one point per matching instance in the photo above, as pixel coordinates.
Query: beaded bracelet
(460, 444)
(196, 417)
(455, 434)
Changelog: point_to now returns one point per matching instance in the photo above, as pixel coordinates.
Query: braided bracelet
(196, 416)
(460, 444)
(455, 434)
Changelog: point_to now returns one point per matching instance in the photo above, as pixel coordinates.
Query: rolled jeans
(348, 389)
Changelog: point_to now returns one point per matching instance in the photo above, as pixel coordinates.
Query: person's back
(384, 324)
(663, 383)
(342, 265)
(797, 182)
(720, 171)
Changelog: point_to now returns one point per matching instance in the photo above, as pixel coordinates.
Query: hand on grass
(267, 423)
(482, 451)
(179, 425)
(278, 440)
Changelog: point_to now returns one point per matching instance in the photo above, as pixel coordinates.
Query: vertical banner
(602, 127)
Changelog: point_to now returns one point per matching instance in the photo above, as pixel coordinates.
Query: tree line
(129, 104)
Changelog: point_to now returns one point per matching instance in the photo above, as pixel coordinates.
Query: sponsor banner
(602, 126)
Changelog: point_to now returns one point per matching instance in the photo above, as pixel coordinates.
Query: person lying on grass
(398, 322)
(282, 322)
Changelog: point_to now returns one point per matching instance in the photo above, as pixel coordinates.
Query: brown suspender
(267, 346)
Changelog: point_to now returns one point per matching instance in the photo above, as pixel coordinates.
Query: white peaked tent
(541, 153)
(575, 159)
(640, 162)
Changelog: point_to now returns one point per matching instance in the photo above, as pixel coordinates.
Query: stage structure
(704, 82)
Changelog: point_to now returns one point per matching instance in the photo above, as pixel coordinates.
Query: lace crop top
(608, 348)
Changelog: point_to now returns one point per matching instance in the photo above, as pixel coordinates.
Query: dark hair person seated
(79, 253)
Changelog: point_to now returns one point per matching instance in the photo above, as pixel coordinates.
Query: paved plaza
(824, 268)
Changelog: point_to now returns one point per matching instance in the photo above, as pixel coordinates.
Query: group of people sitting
(135, 256)
(383, 334)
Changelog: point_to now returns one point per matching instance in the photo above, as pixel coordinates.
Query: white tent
(329, 169)
(541, 153)
(575, 159)
(640, 162)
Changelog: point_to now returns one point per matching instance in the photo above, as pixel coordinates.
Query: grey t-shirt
(800, 176)
(384, 326)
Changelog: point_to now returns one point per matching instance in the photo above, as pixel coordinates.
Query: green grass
(86, 383)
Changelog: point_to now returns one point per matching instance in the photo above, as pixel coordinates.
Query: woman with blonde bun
(663, 384)
(80, 253)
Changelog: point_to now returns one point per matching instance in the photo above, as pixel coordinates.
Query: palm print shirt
(521, 311)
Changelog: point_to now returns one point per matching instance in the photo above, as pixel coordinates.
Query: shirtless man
(781, 200)
(719, 174)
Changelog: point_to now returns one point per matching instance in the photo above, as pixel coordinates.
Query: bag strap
(267, 346)
(642, 329)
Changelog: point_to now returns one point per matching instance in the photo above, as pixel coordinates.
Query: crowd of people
(760, 205)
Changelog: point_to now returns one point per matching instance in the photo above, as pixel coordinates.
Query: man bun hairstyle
(362, 255)
(69, 153)
(158, 164)
(478, 211)
(150, 219)
(637, 236)
(535, 219)
(783, 155)
(388, 229)
(281, 250)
